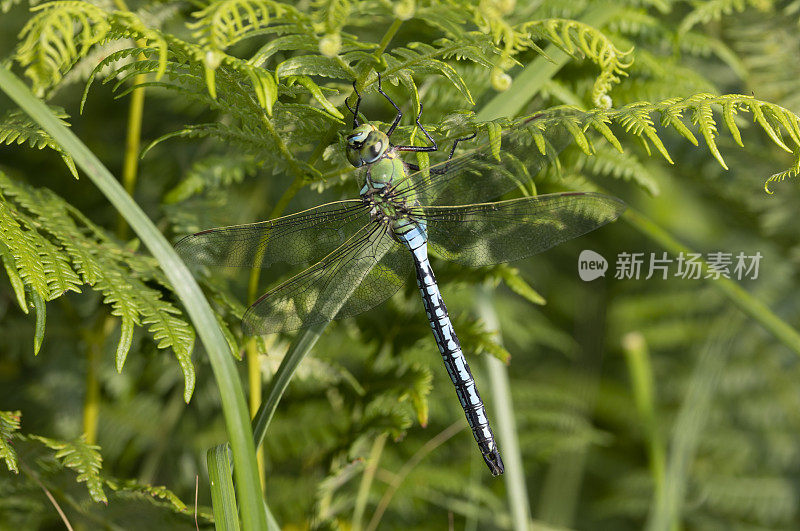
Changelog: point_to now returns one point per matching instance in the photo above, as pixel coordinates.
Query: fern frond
(418, 57)
(794, 171)
(170, 331)
(156, 495)
(212, 173)
(17, 128)
(56, 37)
(576, 38)
(83, 458)
(100, 264)
(781, 125)
(9, 425)
(226, 22)
(710, 11)
(610, 162)
(25, 252)
(13, 276)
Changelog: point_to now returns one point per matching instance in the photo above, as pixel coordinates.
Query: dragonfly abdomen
(454, 360)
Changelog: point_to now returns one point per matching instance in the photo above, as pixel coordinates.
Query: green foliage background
(638, 403)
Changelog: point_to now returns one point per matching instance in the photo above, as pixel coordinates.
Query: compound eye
(357, 139)
(375, 150)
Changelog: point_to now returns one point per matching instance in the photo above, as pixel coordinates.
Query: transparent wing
(490, 170)
(491, 233)
(383, 281)
(335, 283)
(304, 237)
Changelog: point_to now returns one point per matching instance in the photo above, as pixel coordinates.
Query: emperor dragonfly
(360, 248)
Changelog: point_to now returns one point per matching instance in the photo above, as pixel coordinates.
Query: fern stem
(234, 406)
(253, 365)
(91, 404)
(255, 389)
(366, 480)
(32, 475)
(748, 304)
(387, 37)
(130, 165)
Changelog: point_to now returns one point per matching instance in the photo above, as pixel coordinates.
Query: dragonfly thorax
(392, 203)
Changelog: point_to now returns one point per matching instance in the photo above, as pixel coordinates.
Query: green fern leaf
(170, 331)
(83, 458)
(17, 128)
(226, 22)
(515, 282)
(703, 117)
(24, 251)
(636, 119)
(9, 425)
(56, 37)
(151, 493)
(315, 65)
(13, 276)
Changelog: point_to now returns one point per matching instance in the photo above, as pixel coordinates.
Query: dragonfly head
(366, 144)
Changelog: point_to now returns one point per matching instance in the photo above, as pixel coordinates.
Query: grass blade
(223, 497)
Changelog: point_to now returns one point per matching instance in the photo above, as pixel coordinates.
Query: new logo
(591, 265)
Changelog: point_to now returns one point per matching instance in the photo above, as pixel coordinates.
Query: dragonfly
(363, 250)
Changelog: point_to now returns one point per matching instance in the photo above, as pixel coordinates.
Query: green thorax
(387, 187)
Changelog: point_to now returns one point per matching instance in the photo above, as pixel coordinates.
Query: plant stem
(366, 480)
(133, 139)
(234, 406)
(387, 38)
(441, 438)
(253, 365)
(504, 413)
(637, 357)
(91, 406)
(130, 163)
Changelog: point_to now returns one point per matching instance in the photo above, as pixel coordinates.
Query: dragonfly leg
(434, 147)
(358, 103)
(440, 171)
(399, 112)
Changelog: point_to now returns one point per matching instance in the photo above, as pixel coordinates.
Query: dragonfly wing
(301, 238)
(491, 233)
(495, 167)
(318, 294)
(383, 281)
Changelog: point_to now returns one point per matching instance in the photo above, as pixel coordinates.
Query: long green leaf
(234, 406)
(223, 497)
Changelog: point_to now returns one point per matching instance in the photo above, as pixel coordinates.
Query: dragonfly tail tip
(494, 462)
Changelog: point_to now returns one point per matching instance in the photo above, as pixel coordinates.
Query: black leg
(440, 171)
(443, 169)
(399, 112)
(434, 147)
(358, 102)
